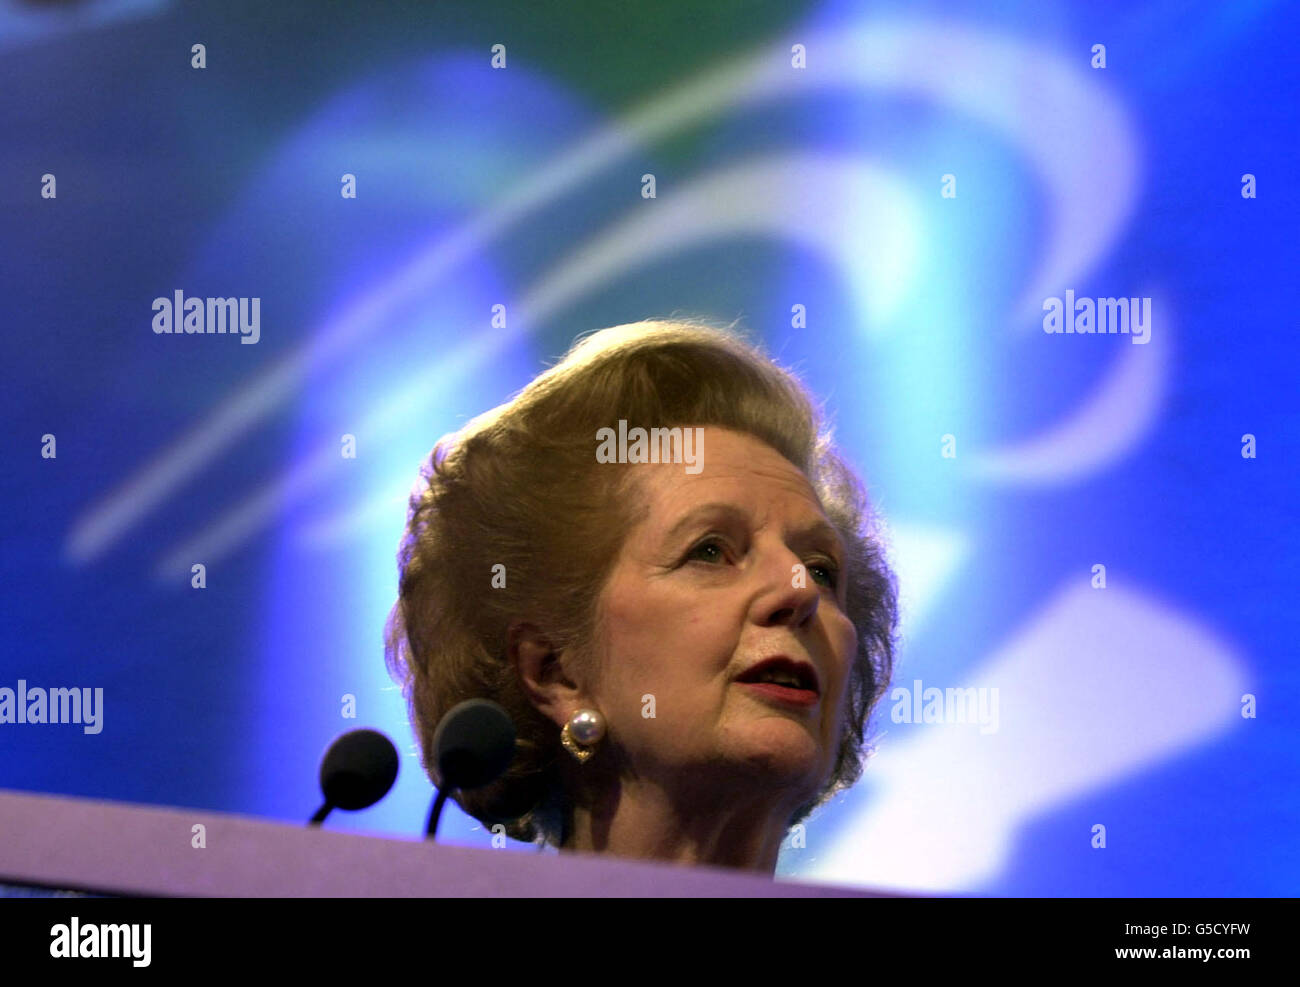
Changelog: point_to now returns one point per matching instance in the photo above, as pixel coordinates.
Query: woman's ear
(541, 671)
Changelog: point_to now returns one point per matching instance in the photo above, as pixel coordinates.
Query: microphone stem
(321, 813)
(434, 812)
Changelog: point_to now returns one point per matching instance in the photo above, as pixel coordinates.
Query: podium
(115, 848)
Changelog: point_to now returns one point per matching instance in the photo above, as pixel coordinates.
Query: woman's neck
(646, 823)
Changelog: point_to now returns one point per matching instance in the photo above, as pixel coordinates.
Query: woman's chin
(784, 753)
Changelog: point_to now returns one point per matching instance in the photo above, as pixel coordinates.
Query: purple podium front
(115, 848)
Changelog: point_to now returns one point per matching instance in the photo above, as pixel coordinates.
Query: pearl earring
(581, 734)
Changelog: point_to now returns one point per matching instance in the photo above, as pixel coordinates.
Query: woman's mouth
(783, 694)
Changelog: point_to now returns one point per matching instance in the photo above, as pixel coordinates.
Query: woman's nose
(792, 597)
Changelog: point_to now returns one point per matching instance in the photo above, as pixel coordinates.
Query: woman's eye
(832, 574)
(715, 544)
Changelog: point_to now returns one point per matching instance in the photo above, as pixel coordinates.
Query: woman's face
(705, 587)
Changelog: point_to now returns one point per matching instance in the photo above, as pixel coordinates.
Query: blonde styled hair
(520, 487)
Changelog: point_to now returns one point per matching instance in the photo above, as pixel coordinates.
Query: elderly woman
(690, 638)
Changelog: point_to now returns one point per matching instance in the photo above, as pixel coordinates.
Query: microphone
(473, 746)
(356, 772)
